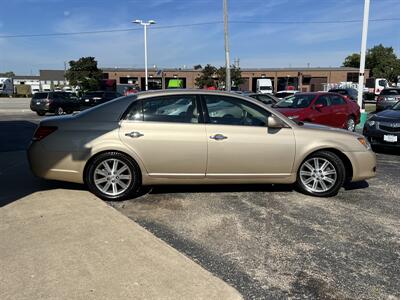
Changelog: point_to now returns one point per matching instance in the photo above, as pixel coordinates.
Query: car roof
(153, 93)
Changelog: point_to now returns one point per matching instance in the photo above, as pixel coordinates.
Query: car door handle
(134, 134)
(218, 137)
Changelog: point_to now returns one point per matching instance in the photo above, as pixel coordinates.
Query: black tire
(134, 169)
(68, 112)
(339, 167)
(349, 123)
(40, 113)
(59, 111)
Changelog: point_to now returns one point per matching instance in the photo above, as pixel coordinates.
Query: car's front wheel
(322, 174)
(40, 113)
(351, 124)
(113, 176)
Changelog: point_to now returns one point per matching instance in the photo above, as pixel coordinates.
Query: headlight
(371, 123)
(293, 117)
(365, 143)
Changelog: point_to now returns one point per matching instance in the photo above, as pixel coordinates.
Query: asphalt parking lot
(266, 241)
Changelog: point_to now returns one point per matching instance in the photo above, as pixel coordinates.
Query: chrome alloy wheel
(351, 124)
(112, 177)
(318, 175)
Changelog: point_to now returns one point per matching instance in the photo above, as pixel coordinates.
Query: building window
(352, 77)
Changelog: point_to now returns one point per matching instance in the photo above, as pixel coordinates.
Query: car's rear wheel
(351, 124)
(322, 174)
(113, 176)
(41, 113)
(59, 111)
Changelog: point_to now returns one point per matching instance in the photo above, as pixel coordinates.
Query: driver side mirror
(275, 122)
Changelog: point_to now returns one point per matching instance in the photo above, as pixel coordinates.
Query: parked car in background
(376, 85)
(322, 108)
(98, 97)
(127, 143)
(264, 98)
(284, 94)
(6, 86)
(54, 102)
(387, 98)
(349, 93)
(383, 128)
(264, 86)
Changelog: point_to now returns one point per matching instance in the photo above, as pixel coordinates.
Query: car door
(322, 111)
(168, 135)
(339, 110)
(239, 143)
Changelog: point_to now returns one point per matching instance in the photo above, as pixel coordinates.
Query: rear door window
(337, 100)
(174, 109)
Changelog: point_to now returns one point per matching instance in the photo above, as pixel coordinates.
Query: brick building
(304, 79)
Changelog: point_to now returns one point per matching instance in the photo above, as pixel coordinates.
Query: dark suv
(98, 97)
(387, 98)
(54, 102)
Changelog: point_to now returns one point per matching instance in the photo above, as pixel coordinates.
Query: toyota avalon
(219, 138)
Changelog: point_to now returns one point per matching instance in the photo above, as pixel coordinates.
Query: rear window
(390, 92)
(40, 95)
(341, 92)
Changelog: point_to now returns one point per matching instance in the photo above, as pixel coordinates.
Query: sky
(256, 36)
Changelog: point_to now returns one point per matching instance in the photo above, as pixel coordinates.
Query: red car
(329, 109)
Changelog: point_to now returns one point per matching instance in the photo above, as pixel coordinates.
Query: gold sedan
(195, 137)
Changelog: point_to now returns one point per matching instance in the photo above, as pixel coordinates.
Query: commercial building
(303, 79)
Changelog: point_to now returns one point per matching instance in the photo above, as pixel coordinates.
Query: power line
(56, 34)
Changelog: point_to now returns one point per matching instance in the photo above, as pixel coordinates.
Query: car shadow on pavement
(223, 188)
(16, 179)
(387, 150)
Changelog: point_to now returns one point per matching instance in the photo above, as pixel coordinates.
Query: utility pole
(362, 61)
(227, 59)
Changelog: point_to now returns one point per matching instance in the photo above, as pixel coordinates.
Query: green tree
(207, 77)
(9, 74)
(84, 73)
(236, 76)
(382, 62)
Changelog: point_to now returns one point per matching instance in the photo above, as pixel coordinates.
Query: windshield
(396, 106)
(265, 88)
(390, 92)
(93, 94)
(297, 101)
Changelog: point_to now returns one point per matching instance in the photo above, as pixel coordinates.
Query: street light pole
(362, 61)
(227, 59)
(145, 24)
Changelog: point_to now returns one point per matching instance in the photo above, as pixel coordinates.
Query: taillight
(42, 132)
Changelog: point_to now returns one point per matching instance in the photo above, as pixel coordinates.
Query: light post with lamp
(145, 24)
